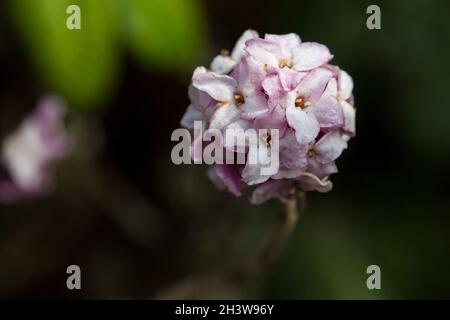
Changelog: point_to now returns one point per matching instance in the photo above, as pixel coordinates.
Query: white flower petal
(224, 115)
(219, 87)
(304, 123)
(222, 64)
(328, 112)
(232, 142)
(331, 89)
(321, 170)
(266, 52)
(192, 114)
(345, 85)
(289, 42)
(330, 147)
(314, 83)
(349, 117)
(254, 106)
(252, 174)
(238, 50)
(311, 55)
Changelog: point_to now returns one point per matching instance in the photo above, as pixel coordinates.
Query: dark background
(137, 224)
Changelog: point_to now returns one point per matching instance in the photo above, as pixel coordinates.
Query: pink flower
(30, 153)
(224, 63)
(341, 87)
(323, 153)
(276, 83)
(237, 96)
(308, 108)
(281, 51)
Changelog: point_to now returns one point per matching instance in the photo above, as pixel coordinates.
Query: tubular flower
(276, 82)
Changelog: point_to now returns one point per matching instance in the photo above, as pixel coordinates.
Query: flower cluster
(30, 153)
(277, 82)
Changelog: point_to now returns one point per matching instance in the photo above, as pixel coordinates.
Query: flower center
(239, 99)
(301, 103)
(311, 153)
(285, 63)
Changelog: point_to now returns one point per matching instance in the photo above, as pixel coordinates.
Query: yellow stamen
(222, 103)
(239, 99)
(300, 102)
(285, 63)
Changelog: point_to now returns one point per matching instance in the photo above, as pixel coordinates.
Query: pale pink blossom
(277, 82)
(31, 152)
(224, 63)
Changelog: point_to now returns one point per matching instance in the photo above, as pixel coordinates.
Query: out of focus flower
(31, 152)
(277, 82)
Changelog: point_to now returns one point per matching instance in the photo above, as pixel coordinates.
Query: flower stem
(287, 221)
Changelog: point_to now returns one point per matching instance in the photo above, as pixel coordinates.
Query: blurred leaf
(80, 64)
(165, 33)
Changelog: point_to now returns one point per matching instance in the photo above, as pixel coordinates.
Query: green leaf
(165, 34)
(79, 64)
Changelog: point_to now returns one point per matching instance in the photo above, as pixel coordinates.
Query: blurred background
(136, 224)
